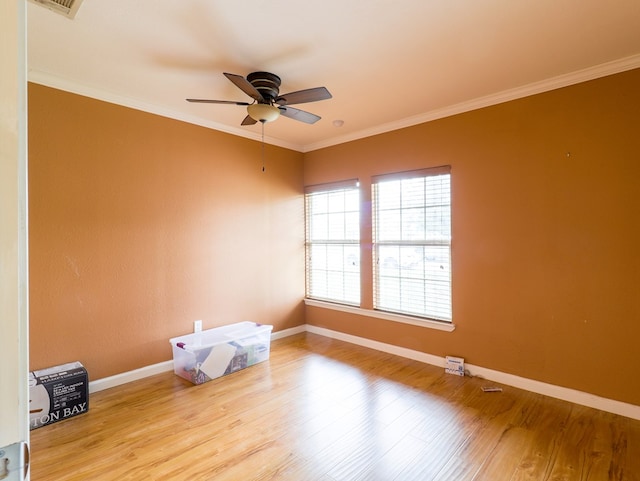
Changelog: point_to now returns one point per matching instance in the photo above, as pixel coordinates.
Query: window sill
(387, 316)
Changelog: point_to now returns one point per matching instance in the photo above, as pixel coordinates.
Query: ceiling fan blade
(301, 115)
(304, 96)
(208, 101)
(244, 85)
(248, 121)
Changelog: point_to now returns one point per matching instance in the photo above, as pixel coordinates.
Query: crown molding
(565, 80)
(49, 80)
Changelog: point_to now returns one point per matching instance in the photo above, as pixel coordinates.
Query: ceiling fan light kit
(263, 112)
(268, 105)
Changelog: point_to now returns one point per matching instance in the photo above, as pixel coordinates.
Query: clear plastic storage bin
(206, 355)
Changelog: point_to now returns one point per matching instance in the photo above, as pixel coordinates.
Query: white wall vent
(68, 8)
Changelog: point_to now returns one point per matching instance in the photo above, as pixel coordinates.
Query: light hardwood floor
(325, 410)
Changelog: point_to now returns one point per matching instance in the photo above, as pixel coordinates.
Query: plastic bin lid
(219, 335)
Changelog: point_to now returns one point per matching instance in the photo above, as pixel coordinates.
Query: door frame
(14, 272)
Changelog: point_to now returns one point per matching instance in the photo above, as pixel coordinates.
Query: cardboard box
(57, 393)
(206, 355)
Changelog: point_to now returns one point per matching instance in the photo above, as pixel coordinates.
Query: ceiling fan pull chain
(262, 146)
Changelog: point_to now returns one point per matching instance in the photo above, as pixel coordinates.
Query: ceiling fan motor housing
(266, 83)
(268, 104)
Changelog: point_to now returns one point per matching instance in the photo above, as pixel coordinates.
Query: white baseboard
(378, 346)
(125, 377)
(566, 394)
(288, 332)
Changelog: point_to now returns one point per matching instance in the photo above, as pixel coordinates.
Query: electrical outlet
(197, 326)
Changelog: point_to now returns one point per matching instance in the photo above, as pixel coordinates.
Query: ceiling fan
(268, 104)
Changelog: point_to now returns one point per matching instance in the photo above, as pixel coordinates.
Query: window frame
(344, 243)
(432, 311)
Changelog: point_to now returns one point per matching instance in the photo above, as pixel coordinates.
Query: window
(412, 243)
(333, 242)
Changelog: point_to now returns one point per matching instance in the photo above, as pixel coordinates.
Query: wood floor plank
(389, 466)
(626, 446)
(546, 435)
(588, 449)
(325, 410)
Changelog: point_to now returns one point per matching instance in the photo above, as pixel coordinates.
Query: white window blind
(333, 242)
(412, 243)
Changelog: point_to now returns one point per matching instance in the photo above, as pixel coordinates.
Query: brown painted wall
(546, 234)
(140, 225)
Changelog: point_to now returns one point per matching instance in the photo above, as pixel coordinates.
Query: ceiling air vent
(68, 8)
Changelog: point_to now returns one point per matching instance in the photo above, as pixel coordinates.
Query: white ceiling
(388, 64)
